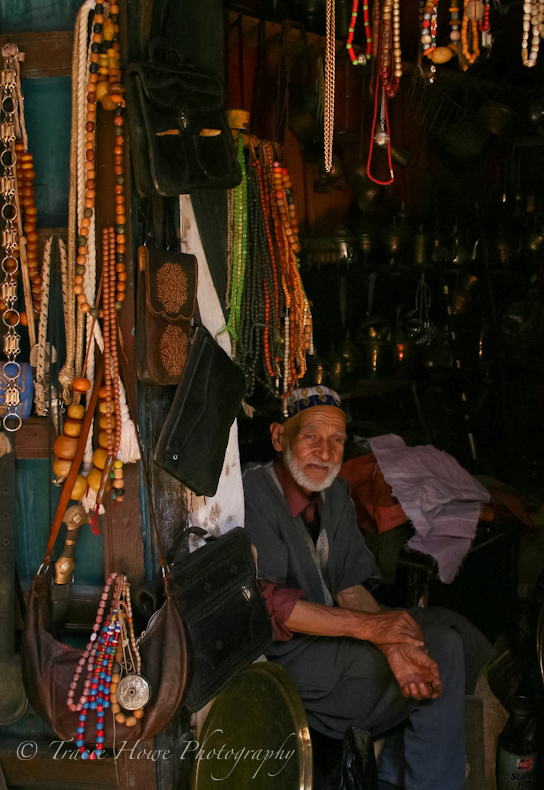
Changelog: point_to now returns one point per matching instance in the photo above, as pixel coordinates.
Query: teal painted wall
(47, 117)
(18, 16)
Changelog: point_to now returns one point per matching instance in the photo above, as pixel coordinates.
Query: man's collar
(295, 496)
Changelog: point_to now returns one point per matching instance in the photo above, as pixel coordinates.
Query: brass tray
(255, 735)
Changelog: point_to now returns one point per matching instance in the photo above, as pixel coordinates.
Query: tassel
(94, 520)
(129, 452)
(249, 411)
(89, 501)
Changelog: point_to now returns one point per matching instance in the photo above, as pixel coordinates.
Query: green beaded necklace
(239, 246)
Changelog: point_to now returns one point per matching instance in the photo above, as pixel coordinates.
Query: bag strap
(147, 482)
(198, 531)
(74, 469)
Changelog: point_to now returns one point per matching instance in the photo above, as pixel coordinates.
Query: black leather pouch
(195, 435)
(180, 138)
(226, 621)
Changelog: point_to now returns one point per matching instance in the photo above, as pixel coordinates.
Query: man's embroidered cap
(306, 397)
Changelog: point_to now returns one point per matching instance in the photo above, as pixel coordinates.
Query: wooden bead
(130, 721)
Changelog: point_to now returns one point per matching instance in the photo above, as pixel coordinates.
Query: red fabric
(297, 500)
(377, 509)
(280, 602)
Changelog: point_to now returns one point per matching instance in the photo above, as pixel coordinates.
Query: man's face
(314, 454)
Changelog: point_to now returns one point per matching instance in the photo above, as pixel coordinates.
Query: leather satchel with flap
(226, 620)
(196, 431)
(180, 138)
(167, 286)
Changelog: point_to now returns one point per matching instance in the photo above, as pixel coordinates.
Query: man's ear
(277, 433)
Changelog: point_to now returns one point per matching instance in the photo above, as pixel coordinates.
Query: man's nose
(323, 450)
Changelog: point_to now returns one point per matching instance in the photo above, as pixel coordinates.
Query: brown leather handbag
(48, 665)
(167, 284)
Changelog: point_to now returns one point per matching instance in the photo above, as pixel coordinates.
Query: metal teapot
(462, 253)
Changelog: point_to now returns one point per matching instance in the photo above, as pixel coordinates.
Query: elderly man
(353, 664)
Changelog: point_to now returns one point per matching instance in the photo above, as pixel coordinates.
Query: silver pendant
(381, 138)
(133, 692)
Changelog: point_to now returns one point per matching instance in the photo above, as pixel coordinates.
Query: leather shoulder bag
(180, 138)
(48, 665)
(223, 611)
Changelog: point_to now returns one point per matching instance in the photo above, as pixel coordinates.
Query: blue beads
(79, 742)
(85, 755)
(85, 706)
(99, 749)
(100, 739)
(106, 703)
(102, 675)
(81, 730)
(101, 687)
(94, 703)
(82, 716)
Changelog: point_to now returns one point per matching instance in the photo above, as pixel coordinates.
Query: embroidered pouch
(167, 284)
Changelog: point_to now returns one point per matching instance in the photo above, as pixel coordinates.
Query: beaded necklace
(470, 57)
(25, 181)
(532, 14)
(359, 60)
(105, 660)
(239, 246)
(269, 295)
(455, 33)
(104, 85)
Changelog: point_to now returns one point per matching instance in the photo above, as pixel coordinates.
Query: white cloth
(225, 510)
(441, 499)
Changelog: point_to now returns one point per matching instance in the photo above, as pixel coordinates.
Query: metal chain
(10, 242)
(330, 78)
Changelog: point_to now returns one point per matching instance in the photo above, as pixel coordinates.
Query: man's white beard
(304, 482)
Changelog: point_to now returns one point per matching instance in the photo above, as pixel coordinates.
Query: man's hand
(416, 673)
(391, 628)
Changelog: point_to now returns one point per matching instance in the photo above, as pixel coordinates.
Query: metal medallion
(133, 692)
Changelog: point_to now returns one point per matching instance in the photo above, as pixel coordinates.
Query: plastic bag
(357, 770)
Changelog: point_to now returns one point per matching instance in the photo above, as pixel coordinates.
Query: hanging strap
(74, 470)
(147, 482)
(70, 480)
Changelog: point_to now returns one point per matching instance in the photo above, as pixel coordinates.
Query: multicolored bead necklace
(359, 59)
(104, 660)
(269, 295)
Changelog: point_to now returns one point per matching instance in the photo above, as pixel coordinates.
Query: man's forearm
(378, 627)
(358, 598)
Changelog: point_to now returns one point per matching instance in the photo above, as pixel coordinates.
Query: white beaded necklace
(531, 13)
